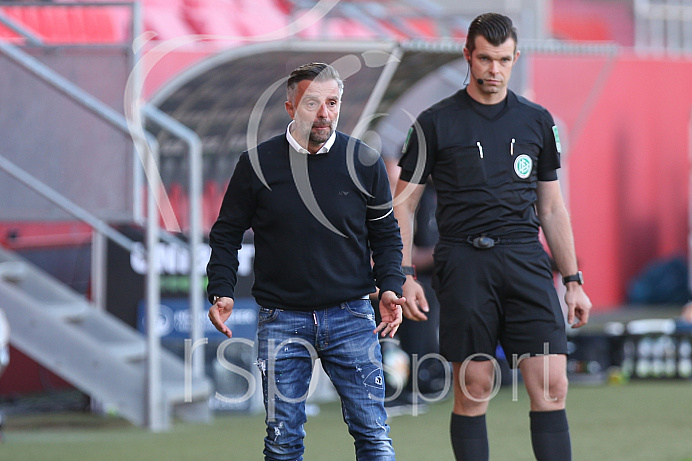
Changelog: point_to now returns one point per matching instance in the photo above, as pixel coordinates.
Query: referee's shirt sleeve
(226, 235)
(549, 160)
(419, 150)
(383, 233)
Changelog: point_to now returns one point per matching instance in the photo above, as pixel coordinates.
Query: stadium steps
(93, 350)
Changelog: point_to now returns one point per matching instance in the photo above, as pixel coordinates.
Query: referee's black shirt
(484, 161)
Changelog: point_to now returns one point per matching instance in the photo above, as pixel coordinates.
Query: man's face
(494, 65)
(315, 111)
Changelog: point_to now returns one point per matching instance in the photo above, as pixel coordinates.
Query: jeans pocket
(267, 315)
(361, 309)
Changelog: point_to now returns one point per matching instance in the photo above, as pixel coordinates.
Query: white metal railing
(146, 142)
(663, 26)
(387, 19)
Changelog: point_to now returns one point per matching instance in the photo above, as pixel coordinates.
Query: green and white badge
(523, 165)
(408, 138)
(558, 146)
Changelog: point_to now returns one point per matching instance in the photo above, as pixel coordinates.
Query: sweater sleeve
(226, 235)
(383, 233)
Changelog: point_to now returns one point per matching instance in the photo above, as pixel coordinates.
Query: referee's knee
(551, 398)
(558, 386)
(473, 387)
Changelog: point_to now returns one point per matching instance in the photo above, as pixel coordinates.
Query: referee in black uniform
(493, 157)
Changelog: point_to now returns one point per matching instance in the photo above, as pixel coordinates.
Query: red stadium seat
(31, 234)
(578, 27)
(180, 203)
(261, 17)
(102, 25)
(587, 20)
(424, 26)
(166, 18)
(336, 28)
(393, 31)
(5, 32)
(214, 17)
(212, 196)
(121, 20)
(63, 25)
(55, 24)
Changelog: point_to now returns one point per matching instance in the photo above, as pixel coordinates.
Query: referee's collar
(294, 144)
(510, 98)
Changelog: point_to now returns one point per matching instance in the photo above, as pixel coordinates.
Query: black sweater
(317, 220)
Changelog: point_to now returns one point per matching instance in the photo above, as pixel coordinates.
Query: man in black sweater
(319, 204)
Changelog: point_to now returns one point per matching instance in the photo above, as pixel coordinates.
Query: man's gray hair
(313, 71)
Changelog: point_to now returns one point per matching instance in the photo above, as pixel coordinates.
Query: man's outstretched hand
(390, 311)
(219, 314)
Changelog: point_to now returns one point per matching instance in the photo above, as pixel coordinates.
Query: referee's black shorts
(504, 293)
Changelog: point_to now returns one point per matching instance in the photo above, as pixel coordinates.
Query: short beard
(320, 138)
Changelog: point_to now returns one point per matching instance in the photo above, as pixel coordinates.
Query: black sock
(469, 438)
(550, 436)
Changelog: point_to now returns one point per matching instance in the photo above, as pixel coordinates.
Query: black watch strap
(409, 270)
(379, 294)
(578, 277)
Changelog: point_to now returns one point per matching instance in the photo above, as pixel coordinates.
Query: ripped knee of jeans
(262, 365)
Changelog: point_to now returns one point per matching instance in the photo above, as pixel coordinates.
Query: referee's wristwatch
(578, 277)
(409, 270)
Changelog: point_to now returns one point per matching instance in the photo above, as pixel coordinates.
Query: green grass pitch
(648, 421)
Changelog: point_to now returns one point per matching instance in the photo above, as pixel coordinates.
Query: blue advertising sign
(174, 319)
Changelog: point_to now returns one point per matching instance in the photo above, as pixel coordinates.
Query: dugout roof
(235, 98)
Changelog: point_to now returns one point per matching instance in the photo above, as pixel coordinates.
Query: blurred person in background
(686, 313)
(420, 340)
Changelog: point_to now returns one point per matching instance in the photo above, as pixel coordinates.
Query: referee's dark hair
(494, 27)
(313, 71)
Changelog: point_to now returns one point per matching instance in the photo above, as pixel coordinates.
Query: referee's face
(315, 111)
(493, 65)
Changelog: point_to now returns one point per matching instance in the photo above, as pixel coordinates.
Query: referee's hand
(416, 304)
(578, 305)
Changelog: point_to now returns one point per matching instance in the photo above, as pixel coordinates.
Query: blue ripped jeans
(342, 337)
